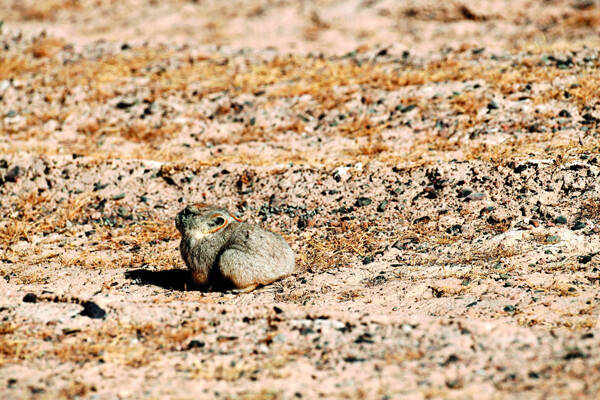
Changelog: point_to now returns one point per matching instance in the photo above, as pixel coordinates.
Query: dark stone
(306, 331)
(464, 193)
(510, 309)
(92, 310)
(578, 225)
(453, 383)
(408, 108)
(564, 113)
(452, 358)
(424, 219)
(352, 359)
(344, 210)
(454, 229)
(381, 207)
(363, 201)
(588, 118)
(168, 180)
(492, 105)
(584, 259)
(574, 353)
(100, 205)
(303, 221)
(533, 375)
(195, 344)
(13, 174)
(560, 220)
(520, 168)
(123, 105)
(365, 338)
(30, 298)
(99, 186)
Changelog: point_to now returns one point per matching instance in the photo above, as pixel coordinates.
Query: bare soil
(434, 165)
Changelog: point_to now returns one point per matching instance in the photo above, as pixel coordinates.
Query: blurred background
(329, 26)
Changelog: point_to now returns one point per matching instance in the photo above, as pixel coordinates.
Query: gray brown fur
(237, 255)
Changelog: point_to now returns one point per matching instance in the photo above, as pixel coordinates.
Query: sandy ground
(434, 165)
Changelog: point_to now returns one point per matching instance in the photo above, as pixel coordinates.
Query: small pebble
(492, 105)
(363, 201)
(476, 196)
(564, 113)
(552, 239)
(381, 207)
(454, 229)
(92, 310)
(193, 344)
(510, 309)
(584, 259)
(561, 220)
(30, 298)
(464, 193)
(13, 174)
(578, 225)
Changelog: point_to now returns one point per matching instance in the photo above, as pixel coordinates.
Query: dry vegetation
(328, 83)
(441, 194)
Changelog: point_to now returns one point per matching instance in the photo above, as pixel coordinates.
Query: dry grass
(43, 10)
(339, 245)
(590, 208)
(584, 18)
(109, 247)
(329, 84)
(46, 47)
(35, 217)
(132, 345)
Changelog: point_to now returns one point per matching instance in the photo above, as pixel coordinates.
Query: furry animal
(222, 252)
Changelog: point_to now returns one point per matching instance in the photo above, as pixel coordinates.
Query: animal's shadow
(177, 279)
(171, 279)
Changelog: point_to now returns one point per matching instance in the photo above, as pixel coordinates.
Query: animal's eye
(219, 221)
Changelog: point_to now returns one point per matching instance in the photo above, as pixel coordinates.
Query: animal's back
(256, 256)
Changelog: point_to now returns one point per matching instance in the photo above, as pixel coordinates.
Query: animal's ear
(217, 222)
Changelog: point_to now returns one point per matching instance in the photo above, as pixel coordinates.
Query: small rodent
(222, 252)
